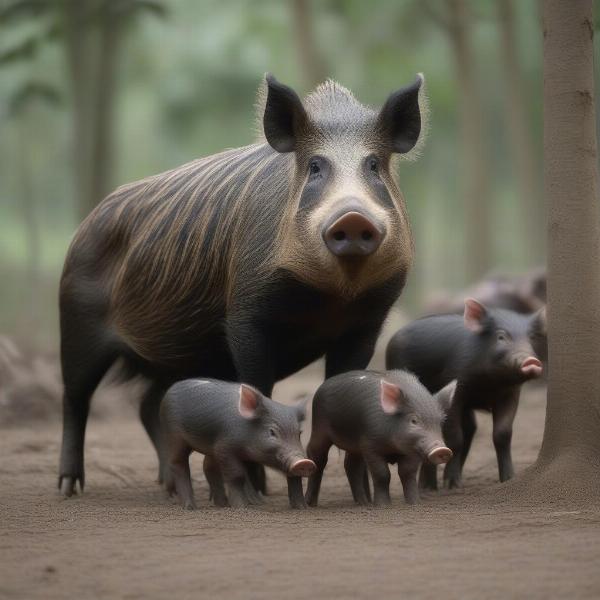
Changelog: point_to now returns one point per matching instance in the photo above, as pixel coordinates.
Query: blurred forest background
(96, 93)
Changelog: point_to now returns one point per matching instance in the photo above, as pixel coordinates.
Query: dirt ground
(124, 539)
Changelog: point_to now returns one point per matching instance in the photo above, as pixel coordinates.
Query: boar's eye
(272, 433)
(501, 336)
(314, 168)
(373, 165)
(414, 420)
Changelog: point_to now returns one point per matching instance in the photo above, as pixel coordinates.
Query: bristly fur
(332, 102)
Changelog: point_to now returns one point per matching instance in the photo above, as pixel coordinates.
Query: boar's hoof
(303, 468)
(439, 455)
(68, 485)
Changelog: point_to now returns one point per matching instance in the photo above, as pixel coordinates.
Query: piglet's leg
(380, 473)
(295, 493)
(356, 471)
(215, 481)
(407, 471)
(503, 415)
(235, 477)
(178, 478)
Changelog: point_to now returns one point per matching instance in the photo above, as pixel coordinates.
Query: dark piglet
(234, 426)
(491, 352)
(377, 418)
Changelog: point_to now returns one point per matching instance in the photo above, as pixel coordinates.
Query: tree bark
(473, 169)
(520, 138)
(313, 69)
(571, 189)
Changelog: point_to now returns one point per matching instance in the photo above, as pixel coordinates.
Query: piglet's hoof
(303, 468)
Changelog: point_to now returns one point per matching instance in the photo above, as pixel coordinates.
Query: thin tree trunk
(571, 188)
(79, 55)
(520, 138)
(102, 141)
(473, 169)
(313, 69)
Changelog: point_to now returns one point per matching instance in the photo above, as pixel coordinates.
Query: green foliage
(187, 84)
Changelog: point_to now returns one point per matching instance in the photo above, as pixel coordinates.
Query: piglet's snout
(532, 367)
(439, 455)
(302, 468)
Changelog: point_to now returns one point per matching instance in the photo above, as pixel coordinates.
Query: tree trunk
(79, 55)
(571, 189)
(104, 99)
(474, 173)
(313, 69)
(520, 139)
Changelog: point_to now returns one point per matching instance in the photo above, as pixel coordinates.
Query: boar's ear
(391, 397)
(399, 120)
(250, 402)
(474, 315)
(445, 396)
(284, 116)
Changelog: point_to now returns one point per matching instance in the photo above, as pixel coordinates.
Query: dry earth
(124, 539)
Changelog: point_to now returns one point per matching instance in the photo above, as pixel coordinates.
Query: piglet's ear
(445, 397)
(399, 120)
(475, 314)
(391, 397)
(284, 116)
(249, 402)
(301, 408)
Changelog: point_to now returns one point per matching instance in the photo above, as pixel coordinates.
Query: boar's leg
(352, 351)
(295, 493)
(503, 415)
(428, 477)
(356, 471)
(380, 473)
(407, 471)
(254, 366)
(318, 451)
(150, 417)
(252, 493)
(469, 425)
(215, 481)
(86, 356)
(257, 477)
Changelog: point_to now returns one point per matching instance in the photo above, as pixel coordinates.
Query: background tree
(520, 135)
(568, 465)
(456, 21)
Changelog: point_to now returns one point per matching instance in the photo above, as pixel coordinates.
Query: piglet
(235, 427)
(377, 418)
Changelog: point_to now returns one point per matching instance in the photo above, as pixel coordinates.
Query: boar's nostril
(352, 234)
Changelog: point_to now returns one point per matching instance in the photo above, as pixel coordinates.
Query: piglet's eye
(414, 421)
(373, 165)
(272, 432)
(501, 336)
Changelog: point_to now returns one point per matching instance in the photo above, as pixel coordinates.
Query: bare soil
(124, 539)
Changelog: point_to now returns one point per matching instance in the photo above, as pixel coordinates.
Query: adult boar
(246, 265)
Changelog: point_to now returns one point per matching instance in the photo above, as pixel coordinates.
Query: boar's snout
(352, 235)
(303, 468)
(439, 455)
